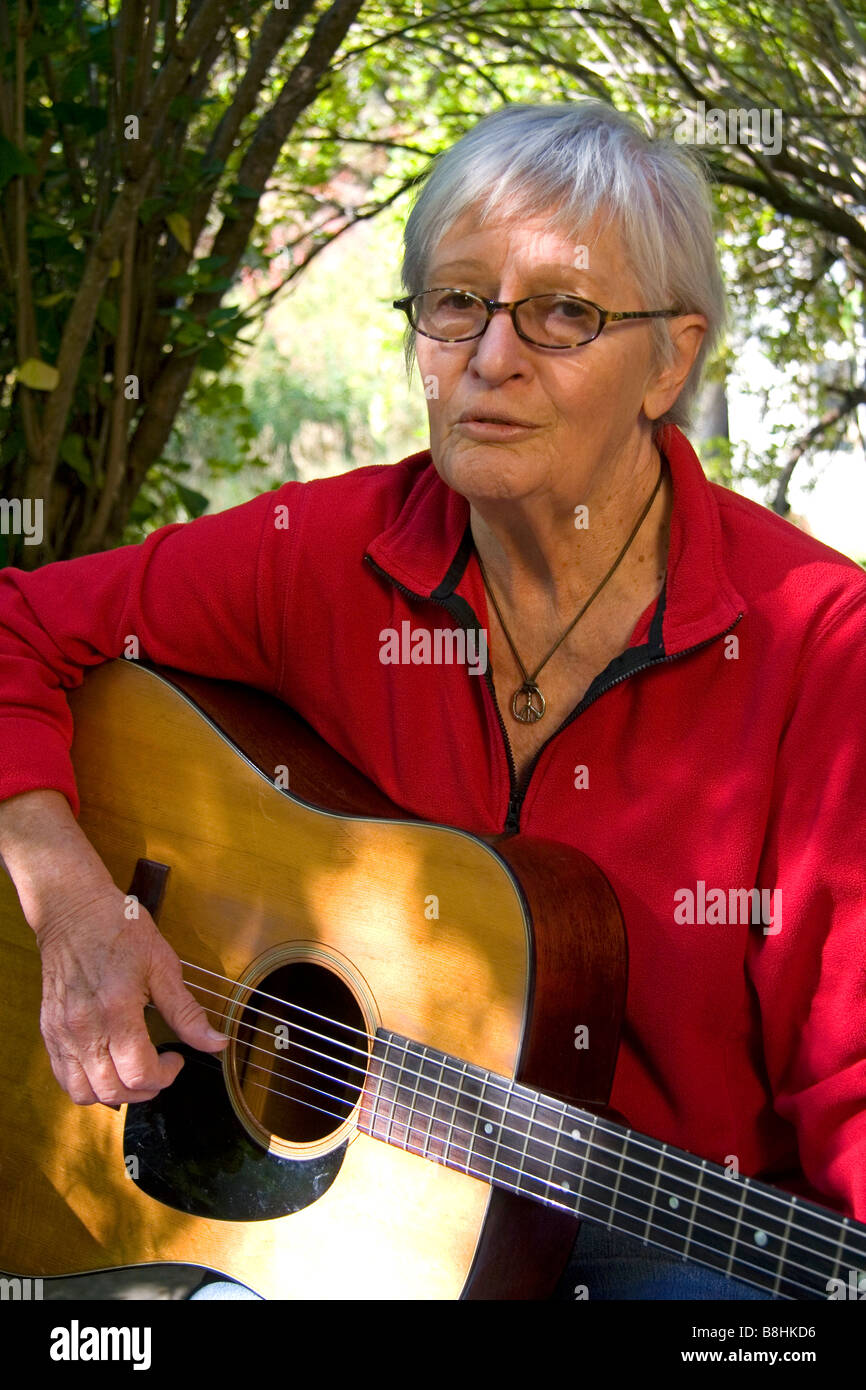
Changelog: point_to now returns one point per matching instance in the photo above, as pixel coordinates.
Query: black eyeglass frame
(606, 316)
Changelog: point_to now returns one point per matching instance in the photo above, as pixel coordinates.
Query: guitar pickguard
(187, 1149)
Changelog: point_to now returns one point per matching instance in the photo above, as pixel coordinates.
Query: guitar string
(528, 1177)
(767, 1192)
(552, 1165)
(614, 1222)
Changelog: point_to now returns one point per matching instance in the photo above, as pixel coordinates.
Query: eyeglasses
(545, 320)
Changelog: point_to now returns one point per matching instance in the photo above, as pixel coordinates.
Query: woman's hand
(99, 969)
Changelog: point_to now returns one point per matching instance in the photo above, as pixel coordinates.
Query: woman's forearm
(47, 854)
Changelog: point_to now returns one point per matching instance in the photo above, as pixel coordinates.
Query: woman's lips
(494, 429)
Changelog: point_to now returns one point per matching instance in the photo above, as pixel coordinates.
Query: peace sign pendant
(528, 704)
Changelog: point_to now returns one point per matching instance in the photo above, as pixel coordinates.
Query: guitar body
(356, 911)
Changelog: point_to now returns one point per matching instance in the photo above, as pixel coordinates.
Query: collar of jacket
(428, 548)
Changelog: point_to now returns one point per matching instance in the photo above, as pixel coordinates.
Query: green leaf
(39, 376)
(195, 502)
(148, 210)
(213, 357)
(13, 162)
(178, 284)
(49, 300)
(106, 314)
(91, 118)
(42, 231)
(72, 452)
(179, 227)
(220, 316)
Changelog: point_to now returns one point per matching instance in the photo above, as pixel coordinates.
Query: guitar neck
(513, 1137)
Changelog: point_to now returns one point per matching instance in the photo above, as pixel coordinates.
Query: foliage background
(239, 256)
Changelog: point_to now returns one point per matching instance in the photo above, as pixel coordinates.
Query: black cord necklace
(527, 703)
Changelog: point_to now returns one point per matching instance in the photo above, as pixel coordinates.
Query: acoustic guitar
(423, 1030)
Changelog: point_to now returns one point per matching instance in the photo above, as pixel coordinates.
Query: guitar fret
(386, 1086)
(554, 1159)
(737, 1225)
(449, 1142)
(521, 1167)
(655, 1192)
(589, 1144)
(840, 1243)
(695, 1201)
(785, 1238)
(434, 1100)
(396, 1100)
(479, 1135)
(618, 1178)
(416, 1110)
(498, 1142)
(411, 1076)
(377, 1088)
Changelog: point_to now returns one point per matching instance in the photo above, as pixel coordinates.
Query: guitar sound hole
(301, 1052)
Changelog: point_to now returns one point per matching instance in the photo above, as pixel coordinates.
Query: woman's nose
(500, 346)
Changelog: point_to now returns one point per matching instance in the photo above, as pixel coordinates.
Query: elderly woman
(671, 678)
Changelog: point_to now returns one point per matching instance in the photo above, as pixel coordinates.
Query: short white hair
(572, 161)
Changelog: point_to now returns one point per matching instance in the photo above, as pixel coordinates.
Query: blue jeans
(608, 1266)
(613, 1266)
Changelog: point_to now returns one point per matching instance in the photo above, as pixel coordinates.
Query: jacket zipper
(516, 796)
(585, 703)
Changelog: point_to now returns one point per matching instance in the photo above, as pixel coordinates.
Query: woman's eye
(569, 309)
(455, 301)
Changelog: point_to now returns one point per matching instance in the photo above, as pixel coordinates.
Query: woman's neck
(550, 553)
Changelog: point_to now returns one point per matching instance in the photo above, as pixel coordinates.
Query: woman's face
(579, 408)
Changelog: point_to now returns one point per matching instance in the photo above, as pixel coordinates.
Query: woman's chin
(488, 473)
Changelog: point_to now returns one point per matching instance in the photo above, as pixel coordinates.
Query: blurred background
(200, 228)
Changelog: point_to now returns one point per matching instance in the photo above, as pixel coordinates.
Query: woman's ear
(687, 333)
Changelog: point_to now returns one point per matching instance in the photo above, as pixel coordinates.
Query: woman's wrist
(48, 856)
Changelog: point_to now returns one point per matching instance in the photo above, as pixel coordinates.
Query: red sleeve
(810, 975)
(206, 596)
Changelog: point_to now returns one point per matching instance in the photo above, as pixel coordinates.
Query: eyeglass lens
(550, 320)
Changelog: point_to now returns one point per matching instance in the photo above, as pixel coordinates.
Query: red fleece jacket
(724, 750)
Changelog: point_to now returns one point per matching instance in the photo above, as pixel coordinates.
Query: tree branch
(851, 400)
(300, 89)
(79, 324)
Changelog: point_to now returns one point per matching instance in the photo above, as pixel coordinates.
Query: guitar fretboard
(508, 1135)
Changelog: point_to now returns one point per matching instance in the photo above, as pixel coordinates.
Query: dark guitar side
(577, 976)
